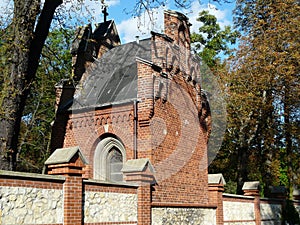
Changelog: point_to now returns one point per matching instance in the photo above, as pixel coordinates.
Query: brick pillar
(73, 194)
(144, 196)
(278, 192)
(252, 189)
(73, 201)
(257, 209)
(144, 204)
(70, 163)
(141, 172)
(216, 198)
(145, 91)
(216, 188)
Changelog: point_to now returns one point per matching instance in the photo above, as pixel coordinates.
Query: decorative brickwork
(177, 27)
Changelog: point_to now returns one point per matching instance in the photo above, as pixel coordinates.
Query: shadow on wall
(290, 215)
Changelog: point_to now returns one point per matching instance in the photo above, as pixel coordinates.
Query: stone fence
(64, 196)
(44, 199)
(53, 199)
(250, 208)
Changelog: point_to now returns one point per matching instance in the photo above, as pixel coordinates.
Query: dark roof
(79, 43)
(103, 29)
(113, 78)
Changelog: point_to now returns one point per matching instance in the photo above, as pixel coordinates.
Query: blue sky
(130, 27)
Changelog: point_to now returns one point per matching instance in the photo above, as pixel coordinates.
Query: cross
(104, 10)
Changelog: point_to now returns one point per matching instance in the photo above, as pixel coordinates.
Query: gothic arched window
(109, 157)
(115, 164)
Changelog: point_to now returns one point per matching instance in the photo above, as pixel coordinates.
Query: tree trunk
(288, 136)
(26, 50)
(242, 168)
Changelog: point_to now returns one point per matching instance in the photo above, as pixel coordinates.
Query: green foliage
(39, 112)
(212, 41)
(230, 187)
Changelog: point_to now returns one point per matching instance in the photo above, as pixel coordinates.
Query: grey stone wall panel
(238, 211)
(270, 211)
(183, 216)
(20, 205)
(109, 207)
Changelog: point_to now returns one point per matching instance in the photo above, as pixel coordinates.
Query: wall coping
(101, 182)
(277, 200)
(13, 174)
(237, 196)
(216, 179)
(251, 185)
(182, 205)
(137, 165)
(65, 155)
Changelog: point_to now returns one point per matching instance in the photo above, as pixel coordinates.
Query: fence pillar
(278, 192)
(141, 172)
(216, 184)
(70, 163)
(252, 189)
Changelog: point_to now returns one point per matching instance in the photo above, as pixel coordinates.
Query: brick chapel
(136, 111)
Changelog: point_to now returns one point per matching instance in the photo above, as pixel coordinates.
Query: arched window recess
(110, 154)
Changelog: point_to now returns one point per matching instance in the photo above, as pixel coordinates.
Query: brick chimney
(177, 27)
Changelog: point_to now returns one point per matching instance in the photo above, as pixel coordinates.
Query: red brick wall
(28, 181)
(177, 28)
(169, 131)
(85, 129)
(181, 158)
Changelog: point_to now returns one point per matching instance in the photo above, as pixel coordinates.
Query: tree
(39, 112)
(26, 46)
(263, 89)
(214, 46)
(211, 41)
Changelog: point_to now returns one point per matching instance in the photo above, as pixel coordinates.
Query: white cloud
(221, 15)
(130, 28)
(141, 26)
(112, 2)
